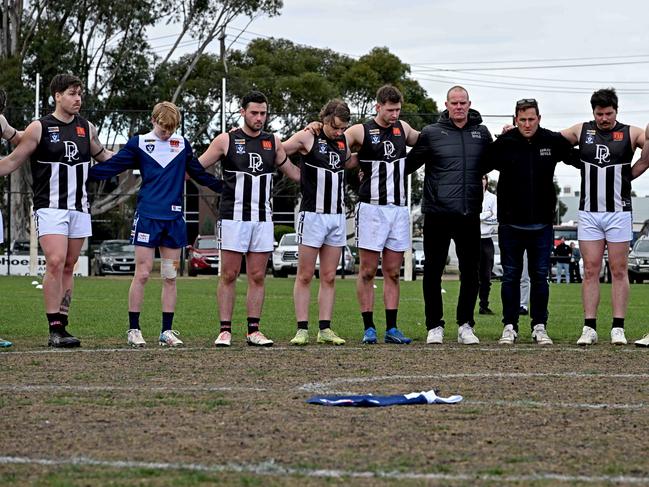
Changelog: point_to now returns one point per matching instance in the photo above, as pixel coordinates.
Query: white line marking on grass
(271, 468)
(138, 388)
(169, 350)
(329, 386)
(560, 405)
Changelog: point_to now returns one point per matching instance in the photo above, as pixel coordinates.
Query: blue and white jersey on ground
(162, 165)
(370, 400)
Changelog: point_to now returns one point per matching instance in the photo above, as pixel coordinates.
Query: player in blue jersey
(162, 158)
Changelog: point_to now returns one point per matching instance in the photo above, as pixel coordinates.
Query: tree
(105, 44)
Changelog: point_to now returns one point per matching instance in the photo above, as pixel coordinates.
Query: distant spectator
(575, 273)
(563, 254)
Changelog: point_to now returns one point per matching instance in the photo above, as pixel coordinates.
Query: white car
(418, 251)
(285, 256)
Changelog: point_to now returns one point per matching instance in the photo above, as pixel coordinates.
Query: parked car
(285, 256)
(20, 247)
(639, 261)
(350, 260)
(497, 270)
(420, 258)
(114, 257)
(203, 256)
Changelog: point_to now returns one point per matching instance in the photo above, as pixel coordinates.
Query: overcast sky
(438, 39)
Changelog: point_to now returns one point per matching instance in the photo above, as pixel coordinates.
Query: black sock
(618, 323)
(253, 325)
(390, 318)
(302, 325)
(134, 320)
(592, 322)
(54, 320)
(64, 319)
(226, 326)
(324, 324)
(368, 319)
(167, 321)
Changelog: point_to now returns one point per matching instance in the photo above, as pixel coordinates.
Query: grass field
(110, 415)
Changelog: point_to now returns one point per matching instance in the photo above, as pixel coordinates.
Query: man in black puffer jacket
(452, 202)
(526, 157)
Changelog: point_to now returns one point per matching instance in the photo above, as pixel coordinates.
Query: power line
(534, 60)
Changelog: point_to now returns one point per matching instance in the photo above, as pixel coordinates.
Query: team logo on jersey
(388, 149)
(546, 151)
(476, 134)
(602, 154)
(266, 145)
(590, 139)
(617, 136)
(322, 147)
(81, 131)
(240, 146)
(396, 131)
(55, 137)
(175, 143)
(143, 237)
(256, 162)
(149, 148)
(71, 151)
(376, 139)
(341, 145)
(334, 160)
(52, 129)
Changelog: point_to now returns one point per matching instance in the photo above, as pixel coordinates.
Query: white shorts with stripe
(244, 236)
(318, 229)
(382, 226)
(612, 226)
(71, 223)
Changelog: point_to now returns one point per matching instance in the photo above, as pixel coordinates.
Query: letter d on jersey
(334, 160)
(388, 149)
(71, 151)
(602, 154)
(256, 163)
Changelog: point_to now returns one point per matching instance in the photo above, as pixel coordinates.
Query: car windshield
(642, 246)
(418, 245)
(206, 243)
(568, 233)
(119, 247)
(289, 239)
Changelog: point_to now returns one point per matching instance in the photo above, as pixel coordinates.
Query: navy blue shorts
(150, 232)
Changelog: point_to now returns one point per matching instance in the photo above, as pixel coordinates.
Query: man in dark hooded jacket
(451, 149)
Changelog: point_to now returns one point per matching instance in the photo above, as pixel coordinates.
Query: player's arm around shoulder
(638, 136)
(572, 133)
(301, 142)
(216, 151)
(24, 150)
(642, 164)
(354, 136)
(411, 134)
(97, 149)
(9, 133)
(283, 163)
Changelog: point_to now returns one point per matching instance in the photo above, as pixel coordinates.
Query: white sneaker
(509, 335)
(435, 335)
(540, 335)
(257, 339)
(134, 338)
(169, 339)
(617, 336)
(465, 335)
(588, 336)
(223, 340)
(643, 342)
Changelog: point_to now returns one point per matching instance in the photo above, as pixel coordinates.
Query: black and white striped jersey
(323, 176)
(248, 172)
(382, 159)
(60, 164)
(606, 171)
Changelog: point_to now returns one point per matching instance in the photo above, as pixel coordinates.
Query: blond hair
(167, 115)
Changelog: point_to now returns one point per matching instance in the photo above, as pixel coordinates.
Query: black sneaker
(60, 338)
(523, 311)
(485, 311)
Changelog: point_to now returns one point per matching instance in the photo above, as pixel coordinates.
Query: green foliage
(280, 230)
